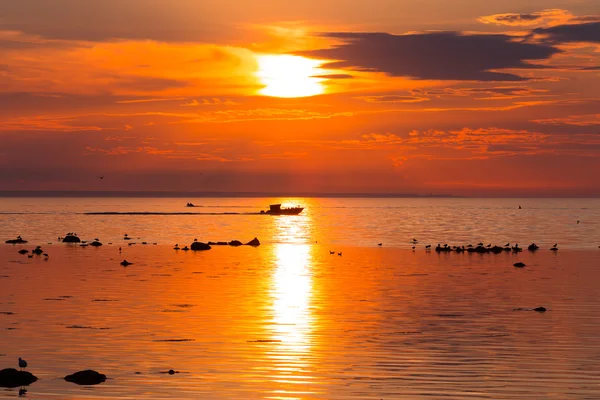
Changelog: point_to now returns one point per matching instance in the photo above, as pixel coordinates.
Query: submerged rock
(18, 240)
(12, 378)
(23, 251)
(235, 243)
(496, 250)
(519, 265)
(87, 377)
(198, 246)
(254, 243)
(540, 309)
(71, 239)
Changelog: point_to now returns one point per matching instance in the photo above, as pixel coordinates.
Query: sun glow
(290, 76)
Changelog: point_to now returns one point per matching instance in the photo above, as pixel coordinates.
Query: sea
(343, 301)
(395, 222)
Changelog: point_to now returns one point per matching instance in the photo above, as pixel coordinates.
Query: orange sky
(464, 97)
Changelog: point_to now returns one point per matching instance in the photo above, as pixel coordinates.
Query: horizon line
(233, 194)
(182, 194)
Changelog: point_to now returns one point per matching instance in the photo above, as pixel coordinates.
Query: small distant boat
(275, 209)
(190, 205)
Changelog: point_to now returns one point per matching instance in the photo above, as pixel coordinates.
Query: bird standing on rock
(22, 363)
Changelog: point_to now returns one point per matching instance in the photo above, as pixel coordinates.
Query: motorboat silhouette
(276, 209)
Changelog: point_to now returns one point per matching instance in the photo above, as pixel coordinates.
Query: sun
(289, 76)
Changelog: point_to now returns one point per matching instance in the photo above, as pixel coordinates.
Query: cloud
(334, 76)
(586, 32)
(392, 99)
(576, 120)
(434, 56)
(541, 18)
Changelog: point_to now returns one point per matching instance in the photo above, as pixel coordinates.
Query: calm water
(356, 222)
(288, 320)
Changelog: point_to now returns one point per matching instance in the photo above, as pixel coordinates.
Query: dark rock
(12, 378)
(254, 242)
(87, 377)
(518, 265)
(96, 243)
(533, 247)
(18, 240)
(171, 372)
(212, 243)
(125, 263)
(38, 250)
(540, 309)
(235, 243)
(23, 251)
(71, 239)
(197, 246)
(222, 244)
(496, 250)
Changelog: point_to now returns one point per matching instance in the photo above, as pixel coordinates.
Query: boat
(275, 209)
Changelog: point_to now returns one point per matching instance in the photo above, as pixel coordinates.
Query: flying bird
(101, 177)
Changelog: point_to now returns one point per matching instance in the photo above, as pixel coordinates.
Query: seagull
(101, 177)
(331, 252)
(125, 263)
(578, 221)
(22, 363)
(340, 254)
(428, 247)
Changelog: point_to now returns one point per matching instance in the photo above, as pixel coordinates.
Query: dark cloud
(334, 76)
(587, 32)
(440, 55)
(514, 18)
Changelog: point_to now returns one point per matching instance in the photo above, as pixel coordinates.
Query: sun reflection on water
(292, 320)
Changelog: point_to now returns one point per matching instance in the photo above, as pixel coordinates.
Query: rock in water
(197, 246)
(235, 243)
(540, 309)
(254, 243)
(95, 243)
(16, 241)
(71, 239)
(87, 377)
(518, 265)
(12, 378)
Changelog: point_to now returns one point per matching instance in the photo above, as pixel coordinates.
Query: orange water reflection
(292, 319)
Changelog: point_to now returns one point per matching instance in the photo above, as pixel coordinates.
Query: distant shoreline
(149, 194)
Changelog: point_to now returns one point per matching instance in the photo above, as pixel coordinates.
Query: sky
(462, 97)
